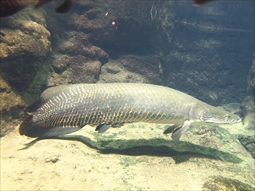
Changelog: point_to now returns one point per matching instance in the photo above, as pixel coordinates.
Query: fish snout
(237, 120)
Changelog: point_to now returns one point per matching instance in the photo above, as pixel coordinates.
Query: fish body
(10, 7)
(65, 109)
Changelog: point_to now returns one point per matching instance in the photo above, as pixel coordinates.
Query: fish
(10, 7)
(65, 109)
(200, 2)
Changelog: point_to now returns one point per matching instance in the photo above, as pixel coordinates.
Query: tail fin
(25, 125)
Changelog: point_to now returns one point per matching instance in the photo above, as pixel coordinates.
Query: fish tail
(25, 126)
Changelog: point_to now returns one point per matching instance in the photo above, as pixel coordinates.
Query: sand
(99, 162)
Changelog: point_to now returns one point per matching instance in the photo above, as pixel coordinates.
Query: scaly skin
(65, 109)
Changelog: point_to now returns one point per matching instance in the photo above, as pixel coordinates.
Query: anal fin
(31, 129)
(57, 131)
(117, 125)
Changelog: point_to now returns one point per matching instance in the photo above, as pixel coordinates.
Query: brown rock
(131, 68)
(79, 70)
(24, 47)
(78, 44)
(11, 106)
(248, 104)
(86, 72)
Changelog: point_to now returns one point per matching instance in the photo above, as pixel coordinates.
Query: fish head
(218, 115)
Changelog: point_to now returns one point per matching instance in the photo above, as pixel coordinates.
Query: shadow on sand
(180, 152)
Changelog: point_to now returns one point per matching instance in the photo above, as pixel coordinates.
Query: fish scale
(65, 109)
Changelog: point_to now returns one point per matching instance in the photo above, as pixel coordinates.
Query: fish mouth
(238, 120)
(212, 120)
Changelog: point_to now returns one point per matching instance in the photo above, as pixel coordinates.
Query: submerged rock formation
(24, 45)
(11, 105)
(131, 68)
(249, 102)
(225, 184)
(248, 107)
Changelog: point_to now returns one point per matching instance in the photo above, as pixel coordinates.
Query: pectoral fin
(101, 128)
(178, 132)
(171, 129)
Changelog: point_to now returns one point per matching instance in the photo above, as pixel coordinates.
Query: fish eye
(227, 117)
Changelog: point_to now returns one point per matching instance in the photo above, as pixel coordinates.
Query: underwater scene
(127, 95)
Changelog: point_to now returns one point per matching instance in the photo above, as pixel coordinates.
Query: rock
(78, 45)
(10, 109)
(131, 68)
(60, 62)
(248, 111)
(118, 26)
(248, 143)
(248, 104)
(24, 47)
(86, 72)
(55, 79)
(76, 69)
(225, 184)
(251, 78)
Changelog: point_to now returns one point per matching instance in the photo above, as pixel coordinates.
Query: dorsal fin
(46, 95)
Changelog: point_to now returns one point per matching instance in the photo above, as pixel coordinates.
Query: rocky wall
(24, 46)
(248, 104)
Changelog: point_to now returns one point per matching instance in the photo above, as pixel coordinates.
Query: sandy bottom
(72, 165)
